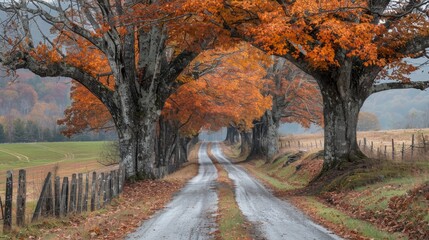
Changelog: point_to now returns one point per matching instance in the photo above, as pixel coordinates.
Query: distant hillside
(30, 107)
(30, 97)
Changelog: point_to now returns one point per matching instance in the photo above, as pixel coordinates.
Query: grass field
(61, 158)
(25, 155)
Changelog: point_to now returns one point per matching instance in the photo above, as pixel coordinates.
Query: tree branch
(422, 85)
(21, 60)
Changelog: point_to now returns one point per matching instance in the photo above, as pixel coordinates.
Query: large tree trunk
(137, 145)
(265, 138)
(246, 142)
(341, 106)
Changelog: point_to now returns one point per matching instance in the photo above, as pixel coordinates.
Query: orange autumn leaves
(324, 32)
(228, 93)
(232, 88)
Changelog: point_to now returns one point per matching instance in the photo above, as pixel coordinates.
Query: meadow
(61, 158)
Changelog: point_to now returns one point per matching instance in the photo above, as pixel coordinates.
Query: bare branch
(421, 85)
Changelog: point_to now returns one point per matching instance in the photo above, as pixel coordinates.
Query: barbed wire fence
(27, 195)
(414, 149)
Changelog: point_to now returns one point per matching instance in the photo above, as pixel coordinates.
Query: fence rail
(59, 198)
(416, 148)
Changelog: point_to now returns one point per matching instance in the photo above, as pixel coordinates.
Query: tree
(19, 134)
(368, 121)
(140, 46)
(346, 46)
(296, 98)
(2, 134)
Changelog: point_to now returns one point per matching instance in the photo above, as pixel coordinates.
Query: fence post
(57, 194)
(41, 203)
(20, 198)
(105, 187)
(64, 197)
(393, 149)
(364, 144)
(79, 192)
(118, 181)
(359, 142)
(385, 152)
(424, 143)
(114, 185)
(100, 197)
(403, 151)
(7, 222)
(412, 147)
(72, 204)
(85, 196)
(48, 204)
(93, 190)
(109, 187)
(120, 173)
(372, 147)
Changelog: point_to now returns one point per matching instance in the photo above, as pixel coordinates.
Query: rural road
(190, 214)
(274, 218)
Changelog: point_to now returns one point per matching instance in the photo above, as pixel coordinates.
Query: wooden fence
(84, 192)
(415, 148)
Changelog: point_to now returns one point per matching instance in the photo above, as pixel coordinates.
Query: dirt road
(190, 214)
(274, 218)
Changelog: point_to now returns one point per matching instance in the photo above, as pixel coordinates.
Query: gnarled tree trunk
(265, 138)
(342, 100)
(232, 135)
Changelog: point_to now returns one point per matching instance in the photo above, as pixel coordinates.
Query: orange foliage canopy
(228, 91)
(322, 34)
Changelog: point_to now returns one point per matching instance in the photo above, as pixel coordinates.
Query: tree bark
(341, 106)
(265, 138)
(246, 142)
(232, 135)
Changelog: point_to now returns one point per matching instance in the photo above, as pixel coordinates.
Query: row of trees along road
(130, 54)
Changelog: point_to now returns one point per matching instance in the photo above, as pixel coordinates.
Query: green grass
(379, 172)
(23, 155)
(377, 196)
(281, 178)
(363, 228)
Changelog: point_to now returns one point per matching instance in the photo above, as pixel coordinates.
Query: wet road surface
(275, 219)
(190, 215)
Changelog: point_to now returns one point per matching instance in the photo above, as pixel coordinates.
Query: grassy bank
(384, 201)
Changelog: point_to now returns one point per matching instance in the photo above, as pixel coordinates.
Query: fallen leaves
(406, 214)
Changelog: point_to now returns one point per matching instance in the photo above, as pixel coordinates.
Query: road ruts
(274, 218)
(190, 214)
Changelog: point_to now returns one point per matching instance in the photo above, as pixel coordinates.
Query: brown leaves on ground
(404, 214)
(139, 201)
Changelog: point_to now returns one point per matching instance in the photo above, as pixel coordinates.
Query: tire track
(274, 218)
(190, 215)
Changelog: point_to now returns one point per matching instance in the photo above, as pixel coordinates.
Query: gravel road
(190, 215)
(274, 218)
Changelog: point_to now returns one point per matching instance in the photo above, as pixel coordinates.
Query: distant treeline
(29, 131)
